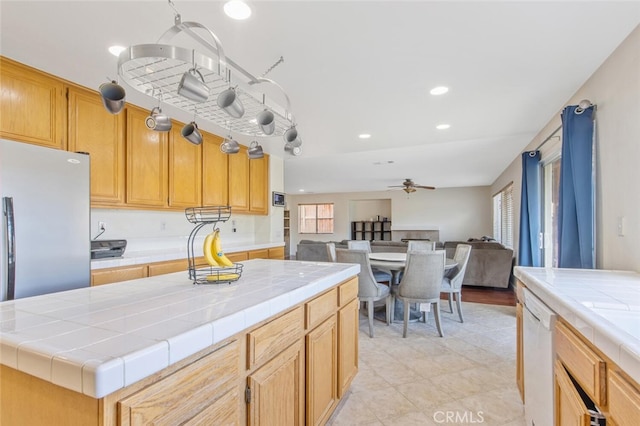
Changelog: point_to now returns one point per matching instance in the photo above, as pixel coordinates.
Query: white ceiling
(363, 67)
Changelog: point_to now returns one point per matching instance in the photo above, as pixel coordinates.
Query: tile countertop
(150, 256)
(97, 340)
(604, 306)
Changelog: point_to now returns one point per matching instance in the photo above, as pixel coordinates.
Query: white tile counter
(604, 306)
(150, 256)
(100, 339)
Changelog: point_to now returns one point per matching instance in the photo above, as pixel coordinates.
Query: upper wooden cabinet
(185, 170)
(33, 106)
(239, 181)
(215, 172)
(92, 129)
(147, 162)
(259, 185)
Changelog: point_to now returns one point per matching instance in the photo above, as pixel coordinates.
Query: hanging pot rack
(159, 68)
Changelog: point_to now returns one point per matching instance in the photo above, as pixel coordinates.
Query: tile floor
(467, 377)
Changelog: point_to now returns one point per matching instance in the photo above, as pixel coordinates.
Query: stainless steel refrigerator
(45, 245)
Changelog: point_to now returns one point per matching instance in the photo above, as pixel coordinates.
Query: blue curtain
(576, 236)
(530, 210)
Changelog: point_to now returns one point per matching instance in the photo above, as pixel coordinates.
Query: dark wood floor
(489, 295)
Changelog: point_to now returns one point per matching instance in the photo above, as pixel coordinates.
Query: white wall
(459, 213)
(155, 230)
(615, 88)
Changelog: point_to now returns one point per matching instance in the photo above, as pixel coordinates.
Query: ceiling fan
(409, 186)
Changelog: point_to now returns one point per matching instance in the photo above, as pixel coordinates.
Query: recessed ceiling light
(440, 90)
(364, 136)
(116, 50)
(300, 190)
(443, 126)
(237, 9)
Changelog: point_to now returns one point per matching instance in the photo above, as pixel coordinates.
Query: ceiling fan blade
(425, 187)
(396, 186)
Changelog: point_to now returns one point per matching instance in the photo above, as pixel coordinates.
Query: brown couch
(490, 263)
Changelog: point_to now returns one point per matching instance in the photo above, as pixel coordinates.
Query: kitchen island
(597, 341)
(280, 344)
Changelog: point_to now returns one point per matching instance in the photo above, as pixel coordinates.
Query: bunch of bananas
(215, 257)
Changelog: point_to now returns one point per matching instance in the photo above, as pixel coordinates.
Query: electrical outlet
(102, 226)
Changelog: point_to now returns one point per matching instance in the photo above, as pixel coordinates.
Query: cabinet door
(322, 372)
(624, 400)
(347, 346)
(185, 170)
(113, 275)
(215, 172)
(238, 256)
(569, 410)
(519, 353)
(239, 181)
(277, 390)
(187, 394)
(168, 267)
(33, 105)
(259, 185)
(92, 129)
(259, 254)
(276, 253)
(147, 162)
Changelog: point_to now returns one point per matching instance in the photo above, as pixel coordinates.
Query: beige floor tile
(467, 377)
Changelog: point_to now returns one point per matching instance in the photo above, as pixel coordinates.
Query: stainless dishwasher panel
(538, 352)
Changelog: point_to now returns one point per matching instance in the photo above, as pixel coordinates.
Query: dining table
(395, 262)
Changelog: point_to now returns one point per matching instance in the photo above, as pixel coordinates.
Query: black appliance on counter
(102, 249)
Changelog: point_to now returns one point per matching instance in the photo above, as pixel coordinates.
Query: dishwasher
(538, 352)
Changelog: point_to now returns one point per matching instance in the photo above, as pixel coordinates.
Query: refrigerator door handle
(7, 207)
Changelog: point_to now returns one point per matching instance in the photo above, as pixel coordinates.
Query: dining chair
(379, 274)
(331, 252)
(414, 245)
(421, 284)
(452, 283)
(369, 290)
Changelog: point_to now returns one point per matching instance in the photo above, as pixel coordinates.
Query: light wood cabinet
(215, 172)
(259, 254)
(276, 253)
(624, 400)
(347, 345)
(239, 181)
(259, 185)
(112, 275)
(268, 340)
(189, 392)
(92, 129)
(275, 392)
(570, 410)
(322, 371)
(33, 106)
(185, 170)
(147, 162)
(167, 267)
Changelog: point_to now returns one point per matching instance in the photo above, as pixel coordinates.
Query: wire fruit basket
(204, 272)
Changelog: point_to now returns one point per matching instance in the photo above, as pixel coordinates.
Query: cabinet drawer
(347, 292)
(224, 411)
(186, 393)
(107, 276)
(276, 253)
(321, 308)
(168, 267)
(583, 363)
(238, 256)
(259, 254)
(272, 338)
(624, 400)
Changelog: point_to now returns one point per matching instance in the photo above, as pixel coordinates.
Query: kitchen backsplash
(154, 230)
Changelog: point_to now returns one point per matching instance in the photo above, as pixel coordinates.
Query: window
(503, 216)
(315, 218)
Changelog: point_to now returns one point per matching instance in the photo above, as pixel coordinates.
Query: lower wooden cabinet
(190, 393)
(275, 392)
(259, 254)
(519, 351)
(112, 275)
(322, 372)
(348, 323)
(570, 410)
(168, 267)
(624, 400)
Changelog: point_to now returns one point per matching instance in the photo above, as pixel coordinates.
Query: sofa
(317, 250)
(490, 263)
